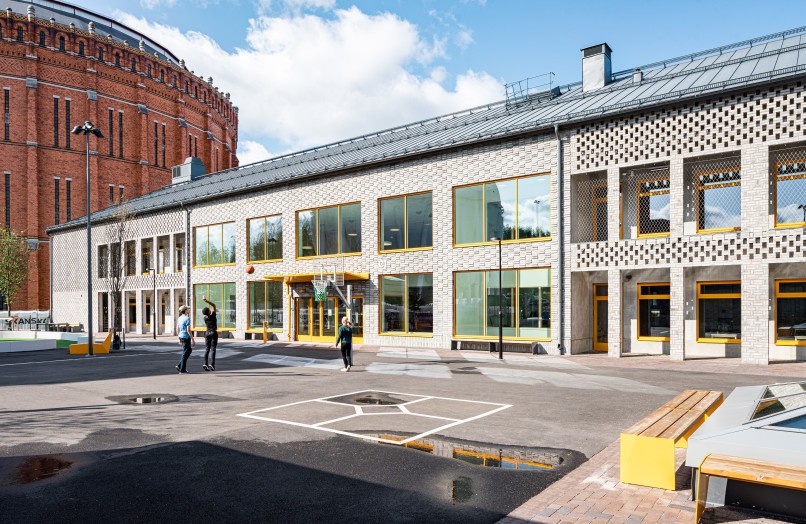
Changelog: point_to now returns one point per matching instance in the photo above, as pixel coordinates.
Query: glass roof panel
(774, 405)
(794, 423)
(782, 390)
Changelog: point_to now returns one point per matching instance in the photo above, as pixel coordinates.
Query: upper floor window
(652, 204)
(61, 43)
(512, 210)
(117, 59)
(405, 222)
(146, 251)
(717, 186)
(162, 76)
(131, 258)
(330, 230)
(215, 244)
(81, 48)
(789, 187)
(163, 255)
(101, 54)
(134, 65)
(790, 312)
(179, 248)
(42, 38)
(19, 34)
(148, 70)
(103, 261)
(265, 238)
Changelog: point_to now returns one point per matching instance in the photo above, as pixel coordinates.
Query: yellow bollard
(265, 332)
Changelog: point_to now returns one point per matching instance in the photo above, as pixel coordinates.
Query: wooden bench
(83, 349)
(746, 470)
(647, 448)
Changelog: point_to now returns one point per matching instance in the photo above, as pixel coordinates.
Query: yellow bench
(83, 349)
(647, 448)
(746, 470)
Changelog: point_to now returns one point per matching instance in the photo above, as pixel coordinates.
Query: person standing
(186, 339)
(211, 335)
(346, 339)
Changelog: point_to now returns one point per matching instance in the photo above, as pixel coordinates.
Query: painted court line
(70, 360)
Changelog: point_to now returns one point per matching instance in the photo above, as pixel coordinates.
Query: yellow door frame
(317, 308)
(598, 346)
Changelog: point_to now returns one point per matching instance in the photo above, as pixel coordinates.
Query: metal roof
(754, 62)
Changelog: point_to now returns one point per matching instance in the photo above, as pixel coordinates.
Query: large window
(653, 312)
(407, 304)
(131, 259)
(179, 247)
(223, 296)
(329, 231)
(265, 239)
(790, 312)
(146, 251)
(103, 261)
(405, 222)
(653, 207)
(163, 254)
(719, 312)
(266, 305)
(514, 210)
(790, 192)
(215, 245)
(525, 302)
(719, 200)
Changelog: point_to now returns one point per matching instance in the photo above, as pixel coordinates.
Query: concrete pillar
(677, 320)
(676, 197)
(613, 204)
(755, 182)
(755, 313)
(614, 313)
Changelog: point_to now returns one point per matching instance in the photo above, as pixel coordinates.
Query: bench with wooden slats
(647, 448)
(746, 470)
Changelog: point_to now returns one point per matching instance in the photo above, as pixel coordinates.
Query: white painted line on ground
(329, 430)
(320, 424)
(309, 400)
(463, 421)
(69, 360)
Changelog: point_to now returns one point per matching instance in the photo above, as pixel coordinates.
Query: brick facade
(41, 80)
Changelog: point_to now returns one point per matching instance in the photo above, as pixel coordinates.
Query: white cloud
(306, 80)
(464, 38)
(154, 4)
(250, 151)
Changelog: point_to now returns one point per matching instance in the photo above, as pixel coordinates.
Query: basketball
(250, 269)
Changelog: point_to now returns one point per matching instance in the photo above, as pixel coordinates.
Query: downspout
(187, 256)
(561, 238)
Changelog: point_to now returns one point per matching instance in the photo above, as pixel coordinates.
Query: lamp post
(88, 129)
(500, 299)
(154, 305)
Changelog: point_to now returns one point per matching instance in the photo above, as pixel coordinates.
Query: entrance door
(104, 312)
(319, 321)
(132, 314)
(163, 311)
(600, 317)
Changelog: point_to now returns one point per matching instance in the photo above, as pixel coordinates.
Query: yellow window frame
(715, 296)
(221, 309)
(131, 251)
(597, 200)
(179, 249)
(265, 311)
(405, 333)
(515, 301)
(484, 211)
(265, 240)
(648, 194)
(221, 244)
(338, 239)
(701, 188)
(381, 250)
(146, 252)
(642, 296)
(161, 248)
(779, 294)
(783, 178)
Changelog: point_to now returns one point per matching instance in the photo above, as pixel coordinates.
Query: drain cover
(373, 398)
(156, 398)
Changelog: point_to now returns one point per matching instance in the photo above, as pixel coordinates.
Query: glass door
(320, 321)
(600, 317)
(303, 318)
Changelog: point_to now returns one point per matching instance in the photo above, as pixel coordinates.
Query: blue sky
(308, 72)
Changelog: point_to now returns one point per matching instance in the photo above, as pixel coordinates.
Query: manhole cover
(373, 398)
(39, 468)
(156, 398)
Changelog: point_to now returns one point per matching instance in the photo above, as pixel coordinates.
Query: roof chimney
(596, 70)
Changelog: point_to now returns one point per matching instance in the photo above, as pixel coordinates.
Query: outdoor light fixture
(88, 129)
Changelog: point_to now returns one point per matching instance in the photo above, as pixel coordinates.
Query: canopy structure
(295, 278)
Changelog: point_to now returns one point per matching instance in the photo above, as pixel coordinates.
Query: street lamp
(500, 299)
(153, 272)
(88, 129)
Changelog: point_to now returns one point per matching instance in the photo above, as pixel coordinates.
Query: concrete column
(614, 313)
(676, 197)
(613, 204)
(755, 313)
(755, 182)
(677, 321)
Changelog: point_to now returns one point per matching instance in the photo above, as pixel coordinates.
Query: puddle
(488, 457)
(39, 468)
(462, 490)
(376, 401)
(374, 398)
(144, 399)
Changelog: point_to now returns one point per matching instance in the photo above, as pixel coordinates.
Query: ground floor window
(223, 296)
(407, 304)
(653, 312)
(719, 312)
(265, 305)
(524, 295)
(790, 312)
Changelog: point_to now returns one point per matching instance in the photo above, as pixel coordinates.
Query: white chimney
(596, 70)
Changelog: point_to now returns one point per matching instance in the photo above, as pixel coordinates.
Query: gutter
(561, 238)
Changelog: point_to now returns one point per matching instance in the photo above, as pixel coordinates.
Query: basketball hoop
(320, 289)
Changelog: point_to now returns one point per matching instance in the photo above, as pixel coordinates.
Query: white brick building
(672, 224)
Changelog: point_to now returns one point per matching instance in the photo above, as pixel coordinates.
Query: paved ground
(199, 459)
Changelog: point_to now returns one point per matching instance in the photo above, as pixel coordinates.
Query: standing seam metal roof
(744, 64)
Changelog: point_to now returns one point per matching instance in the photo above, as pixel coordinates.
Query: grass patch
(61, 344)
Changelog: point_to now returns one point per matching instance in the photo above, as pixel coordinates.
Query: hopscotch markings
(412, 370)
(404, 353)
(321, 426)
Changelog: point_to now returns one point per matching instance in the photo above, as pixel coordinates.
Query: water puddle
(144, 399)
(373, 398)
(39, 468)
(462, 490)
(488, 457)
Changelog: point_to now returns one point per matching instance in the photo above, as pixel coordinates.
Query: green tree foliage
(13, 264)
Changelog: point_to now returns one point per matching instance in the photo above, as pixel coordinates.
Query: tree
(13, 264)
(117, 232)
